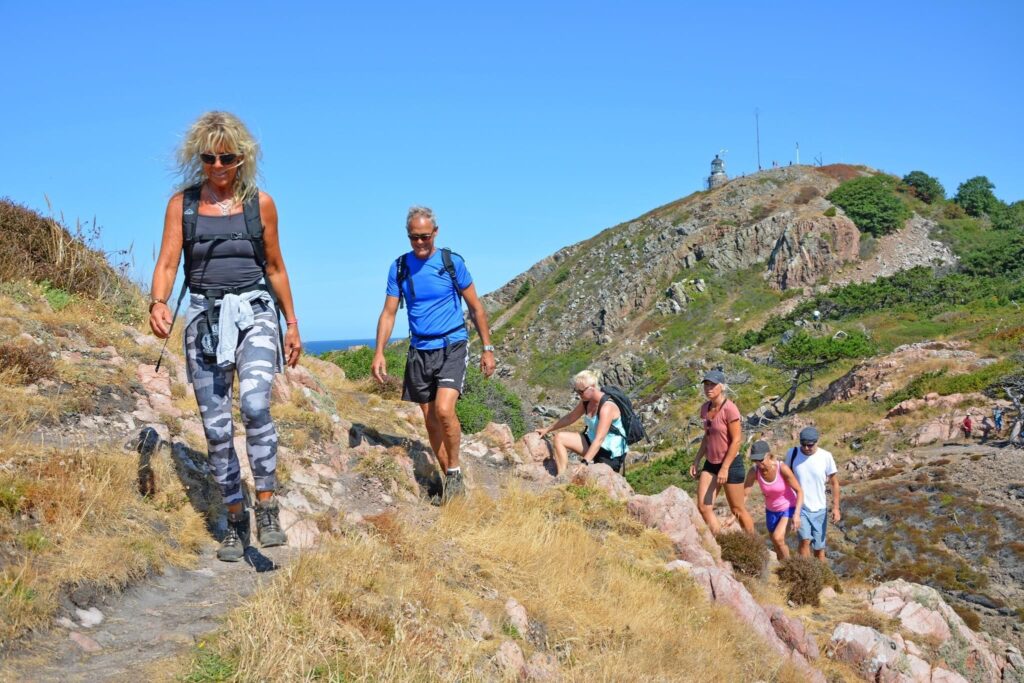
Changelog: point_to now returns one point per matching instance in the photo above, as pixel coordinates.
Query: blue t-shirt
(436, 307)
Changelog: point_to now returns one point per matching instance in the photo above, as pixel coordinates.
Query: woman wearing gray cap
(783, 496)
(720, 448)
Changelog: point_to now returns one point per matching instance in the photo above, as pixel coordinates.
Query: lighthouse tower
(718, 176)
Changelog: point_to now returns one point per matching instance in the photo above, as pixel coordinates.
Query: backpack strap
(401, 274)
(612, 428)
(449, 266)
(792, 456)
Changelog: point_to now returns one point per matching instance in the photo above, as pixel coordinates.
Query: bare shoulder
(266, 202)
(176, 201)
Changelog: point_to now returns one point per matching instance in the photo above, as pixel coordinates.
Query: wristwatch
(489, 347)
(154, 301)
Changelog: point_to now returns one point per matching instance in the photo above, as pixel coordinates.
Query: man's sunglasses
(807, 444)
(420, 236)
(225, 159)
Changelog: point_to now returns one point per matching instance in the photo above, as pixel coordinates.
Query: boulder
(510, 661)
(793, 633)
(497, 435)
(603, 478)
(674, 514)
(864, 649)
(517, 617)
(532, 448)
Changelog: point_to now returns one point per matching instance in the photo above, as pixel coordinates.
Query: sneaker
(268, 525)
(453, 487)
(232, 546)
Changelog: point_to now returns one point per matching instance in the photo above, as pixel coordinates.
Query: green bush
(523, 290)
(830, 212)
(924, 186)
(742, 341)
(655, 477)
(486, 400)
(943, 384)
(746, 552)
(976, 197)
(356, 362)
(1009, 217)
(872, 204)
(804, 350)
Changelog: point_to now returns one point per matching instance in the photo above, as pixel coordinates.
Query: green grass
(58, 298)
(555, 369)
(655, 477)
(210, 667)
(941, 383)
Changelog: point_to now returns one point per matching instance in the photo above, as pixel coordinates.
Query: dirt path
(156, 619)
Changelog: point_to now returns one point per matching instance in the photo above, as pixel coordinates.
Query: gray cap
(809, 434)
(715, 376)
(758, 450)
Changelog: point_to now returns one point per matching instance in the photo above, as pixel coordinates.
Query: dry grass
(392, 604)
(44, 249)
(74, 517)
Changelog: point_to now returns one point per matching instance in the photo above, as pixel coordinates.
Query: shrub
(523, 290)
(658, 475)
(924, 186)
(745, 551)
(356, 362)
(805, 577)
(1009, 217)
(976, 197)
(871, 204)
(806, 194)
(488, 400)
(953, 211)
(31, 363)
(830, 212)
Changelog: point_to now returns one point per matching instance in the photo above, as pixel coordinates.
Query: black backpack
(630, 420)
(402, 274)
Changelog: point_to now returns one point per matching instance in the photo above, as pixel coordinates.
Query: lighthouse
(718, 176)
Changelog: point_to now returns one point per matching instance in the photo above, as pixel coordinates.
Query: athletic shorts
(428, 370)
(603, 456)
(812, 527)
(773, 517)
(737, 471)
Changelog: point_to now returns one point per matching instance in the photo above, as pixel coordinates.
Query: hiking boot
(232, 547)
(453, 487)
(268, 525)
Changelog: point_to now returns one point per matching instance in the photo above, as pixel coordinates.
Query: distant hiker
(814, 467)
(227, 229)
(603, 438)
(719, 448)
(997, 418)
(986, 428)
(433, 282)
(783, 496)
(967, 427)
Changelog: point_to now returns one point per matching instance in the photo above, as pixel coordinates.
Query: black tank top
(225, 264)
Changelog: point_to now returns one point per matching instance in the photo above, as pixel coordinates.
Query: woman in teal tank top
(602, 439)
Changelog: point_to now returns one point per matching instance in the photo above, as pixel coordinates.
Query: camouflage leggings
(255, 361)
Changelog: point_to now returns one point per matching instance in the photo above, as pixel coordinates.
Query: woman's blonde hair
(587, 378)
(215, 131)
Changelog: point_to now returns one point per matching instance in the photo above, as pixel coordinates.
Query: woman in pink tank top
(782, 494)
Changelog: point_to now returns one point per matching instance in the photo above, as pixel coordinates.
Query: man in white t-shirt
(814, 467)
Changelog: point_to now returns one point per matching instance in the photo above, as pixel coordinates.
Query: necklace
(225, 205)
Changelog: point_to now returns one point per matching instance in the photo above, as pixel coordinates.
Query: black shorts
(737, 470)
(427, 371)
(603, 456)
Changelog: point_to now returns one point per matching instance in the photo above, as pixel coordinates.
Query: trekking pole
(174, 318)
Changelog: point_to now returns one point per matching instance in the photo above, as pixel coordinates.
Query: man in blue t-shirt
(433, 284)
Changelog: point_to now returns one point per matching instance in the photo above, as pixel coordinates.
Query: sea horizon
(323, 346)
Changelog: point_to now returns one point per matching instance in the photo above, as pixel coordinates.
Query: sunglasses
(420, 236)
(807, 444)
(225, 159)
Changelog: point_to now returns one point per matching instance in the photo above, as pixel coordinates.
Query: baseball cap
(715, 376)
(808, 434)
(758, 450)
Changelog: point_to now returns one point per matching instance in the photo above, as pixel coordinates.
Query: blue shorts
(773, 517)
(812, 527)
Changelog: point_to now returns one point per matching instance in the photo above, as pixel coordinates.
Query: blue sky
(527, 126)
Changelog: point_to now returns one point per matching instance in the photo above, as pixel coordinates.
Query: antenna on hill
(817, 160)
(798, 154)
(757, 130)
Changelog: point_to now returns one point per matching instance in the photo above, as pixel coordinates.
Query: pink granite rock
(792, 632)
(532, 448)
(517, 617)
(510, 661)
(603, 478)
(497, 435)
(674, 514)
(864, 649)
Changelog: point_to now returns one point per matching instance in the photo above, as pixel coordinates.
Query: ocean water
(318, 347)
